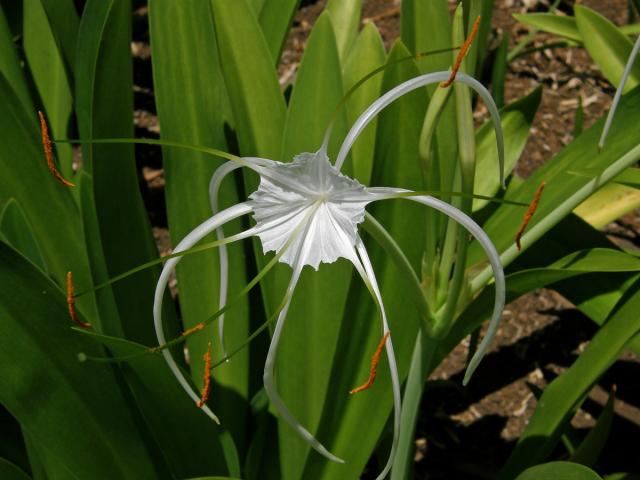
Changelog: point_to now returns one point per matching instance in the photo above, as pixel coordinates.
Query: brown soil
(468, 433)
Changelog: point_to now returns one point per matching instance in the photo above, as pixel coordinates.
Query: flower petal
(393, 367)
(484, 240)
(187, 242)
(616, 97)
(270, 361)
(291, 190)
(406, 87)
(214, 187)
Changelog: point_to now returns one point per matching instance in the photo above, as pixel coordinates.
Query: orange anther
(527, 216)
(48, 153)
(373, 371)
(461, 54)
(204, 396)
(196, 328)
(71, 304)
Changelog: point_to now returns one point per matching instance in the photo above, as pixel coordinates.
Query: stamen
(527, 216)
(206, 389)
(196, 328)
(48, 152)
(461, 54)
(71, 304)
(373, 371)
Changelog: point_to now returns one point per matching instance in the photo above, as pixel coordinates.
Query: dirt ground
(467, 433)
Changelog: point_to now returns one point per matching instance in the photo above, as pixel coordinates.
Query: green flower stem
(565, 208)
(419, 370)
(467, 154)
(397, 256)
(432, 181)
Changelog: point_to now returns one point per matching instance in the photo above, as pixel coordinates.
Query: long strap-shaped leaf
(189, 91)
(41, 381)
(564, 395)
(104, 106)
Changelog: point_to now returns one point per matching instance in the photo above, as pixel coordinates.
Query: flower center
(311, 199)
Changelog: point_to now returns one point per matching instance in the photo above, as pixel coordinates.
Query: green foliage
(216, 87)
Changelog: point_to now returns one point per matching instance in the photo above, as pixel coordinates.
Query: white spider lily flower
(308, 212)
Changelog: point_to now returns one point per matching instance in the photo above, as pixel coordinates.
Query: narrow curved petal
(187, 242)
(393, 367)
(214, 187)
(616, 97)
(491, 252)
(376, 107)
(269, 366)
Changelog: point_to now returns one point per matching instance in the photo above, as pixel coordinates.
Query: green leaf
(215, 478)
(582, 262)
(275, 19)
(188, 440)
(516, 119)
(104, 106)
(630, 177)
(345, 16)
(258, 106)
(8, 471)
(499, 70)
(47, 206)
(189, 91)
(550, 22)
(366, 55)
(309, 338)
(64, 22)
(589, 450)
(107, 320)
(478, 50)
(564, 395)
(559, 471)
(607, 45)
(47, 68)
(355, 423)
(608, 204)
(632, 29)
(42, 381)
(16, 231)
(10, 64)
(425, 25)
(564, 190)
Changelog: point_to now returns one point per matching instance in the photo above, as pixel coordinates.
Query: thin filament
(423, 80)
(369, 75)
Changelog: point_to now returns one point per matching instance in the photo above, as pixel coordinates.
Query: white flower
(308, 212)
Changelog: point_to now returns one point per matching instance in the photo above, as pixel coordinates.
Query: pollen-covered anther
(48, 153)
(196, 328)
(206, 388)
(527, 216)
(71, 304)
(373, 371)
(461, 54)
